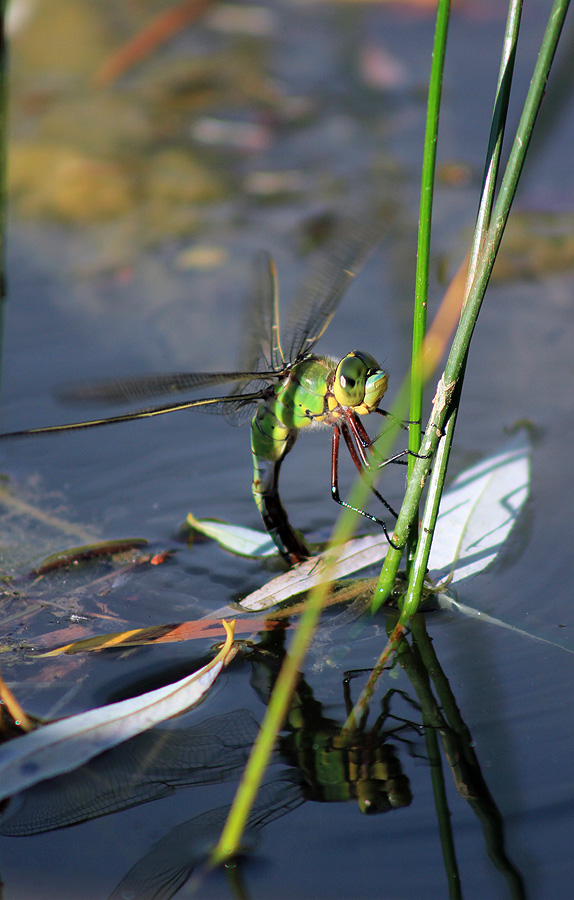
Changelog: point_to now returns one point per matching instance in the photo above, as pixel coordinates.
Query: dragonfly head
(359, 382)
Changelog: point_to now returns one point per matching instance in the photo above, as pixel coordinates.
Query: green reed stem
(424, 240)
(488, 241)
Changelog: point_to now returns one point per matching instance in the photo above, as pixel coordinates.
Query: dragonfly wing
(237, 409)
(261, 341)
(336, 265)
(150, 766)
(210, 404)
(132, 390)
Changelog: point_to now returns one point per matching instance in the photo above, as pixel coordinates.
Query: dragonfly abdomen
(299, 399)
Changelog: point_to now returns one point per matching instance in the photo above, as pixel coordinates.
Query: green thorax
(298, 400)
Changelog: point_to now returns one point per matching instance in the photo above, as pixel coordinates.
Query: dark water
(100, 296)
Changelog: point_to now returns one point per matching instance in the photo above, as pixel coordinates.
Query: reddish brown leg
(364, 442)
(357, 459)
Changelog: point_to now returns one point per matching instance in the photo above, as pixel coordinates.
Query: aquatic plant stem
(458, 748)
(499, 116)
(489, 244)
(450, 383)
(434, 725)
(424, 239)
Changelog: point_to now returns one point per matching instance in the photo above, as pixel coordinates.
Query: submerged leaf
(69, 743)
(28, 510)
(446, 601)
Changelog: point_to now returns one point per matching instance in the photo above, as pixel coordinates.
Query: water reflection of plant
(444, 724)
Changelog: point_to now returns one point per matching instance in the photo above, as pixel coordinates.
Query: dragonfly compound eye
(359, 382)
(377, 381)
(350, 380)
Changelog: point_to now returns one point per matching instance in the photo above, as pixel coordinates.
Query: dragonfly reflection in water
(285, 390)
(310, 763)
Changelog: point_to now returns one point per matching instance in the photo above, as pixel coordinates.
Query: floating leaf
(150, 766)
(133, 637)
(87, 552)
(210, 627)
(480, 509)
(476, 516)
(352, 557)
(65, 745)
(478, 512)
(207, 628)
(242, 541)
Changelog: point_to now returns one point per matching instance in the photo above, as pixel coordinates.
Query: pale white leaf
(69, 743)
(476, 516)
(478, 512)
(235, 538)
(328, 566)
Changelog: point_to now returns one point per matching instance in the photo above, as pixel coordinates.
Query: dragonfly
(285, 387)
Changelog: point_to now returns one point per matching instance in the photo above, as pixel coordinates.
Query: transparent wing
(335, 266)
(210, 404)
(261, 352)
(261, 338)
(147, 767)
(169, 863)
(131, 390)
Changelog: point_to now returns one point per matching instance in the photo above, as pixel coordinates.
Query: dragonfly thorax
(359, 382)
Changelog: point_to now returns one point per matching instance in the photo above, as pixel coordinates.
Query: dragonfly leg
(403, 423)
(363, 439)
(364, 442)
(335, 479)
(362, 463)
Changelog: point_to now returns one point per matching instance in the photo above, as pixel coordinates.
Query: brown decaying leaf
(209, 627)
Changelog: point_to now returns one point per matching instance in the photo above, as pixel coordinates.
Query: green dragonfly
(285, 390)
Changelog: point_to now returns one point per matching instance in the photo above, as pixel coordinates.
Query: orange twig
(160, 30)
(14, 708)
